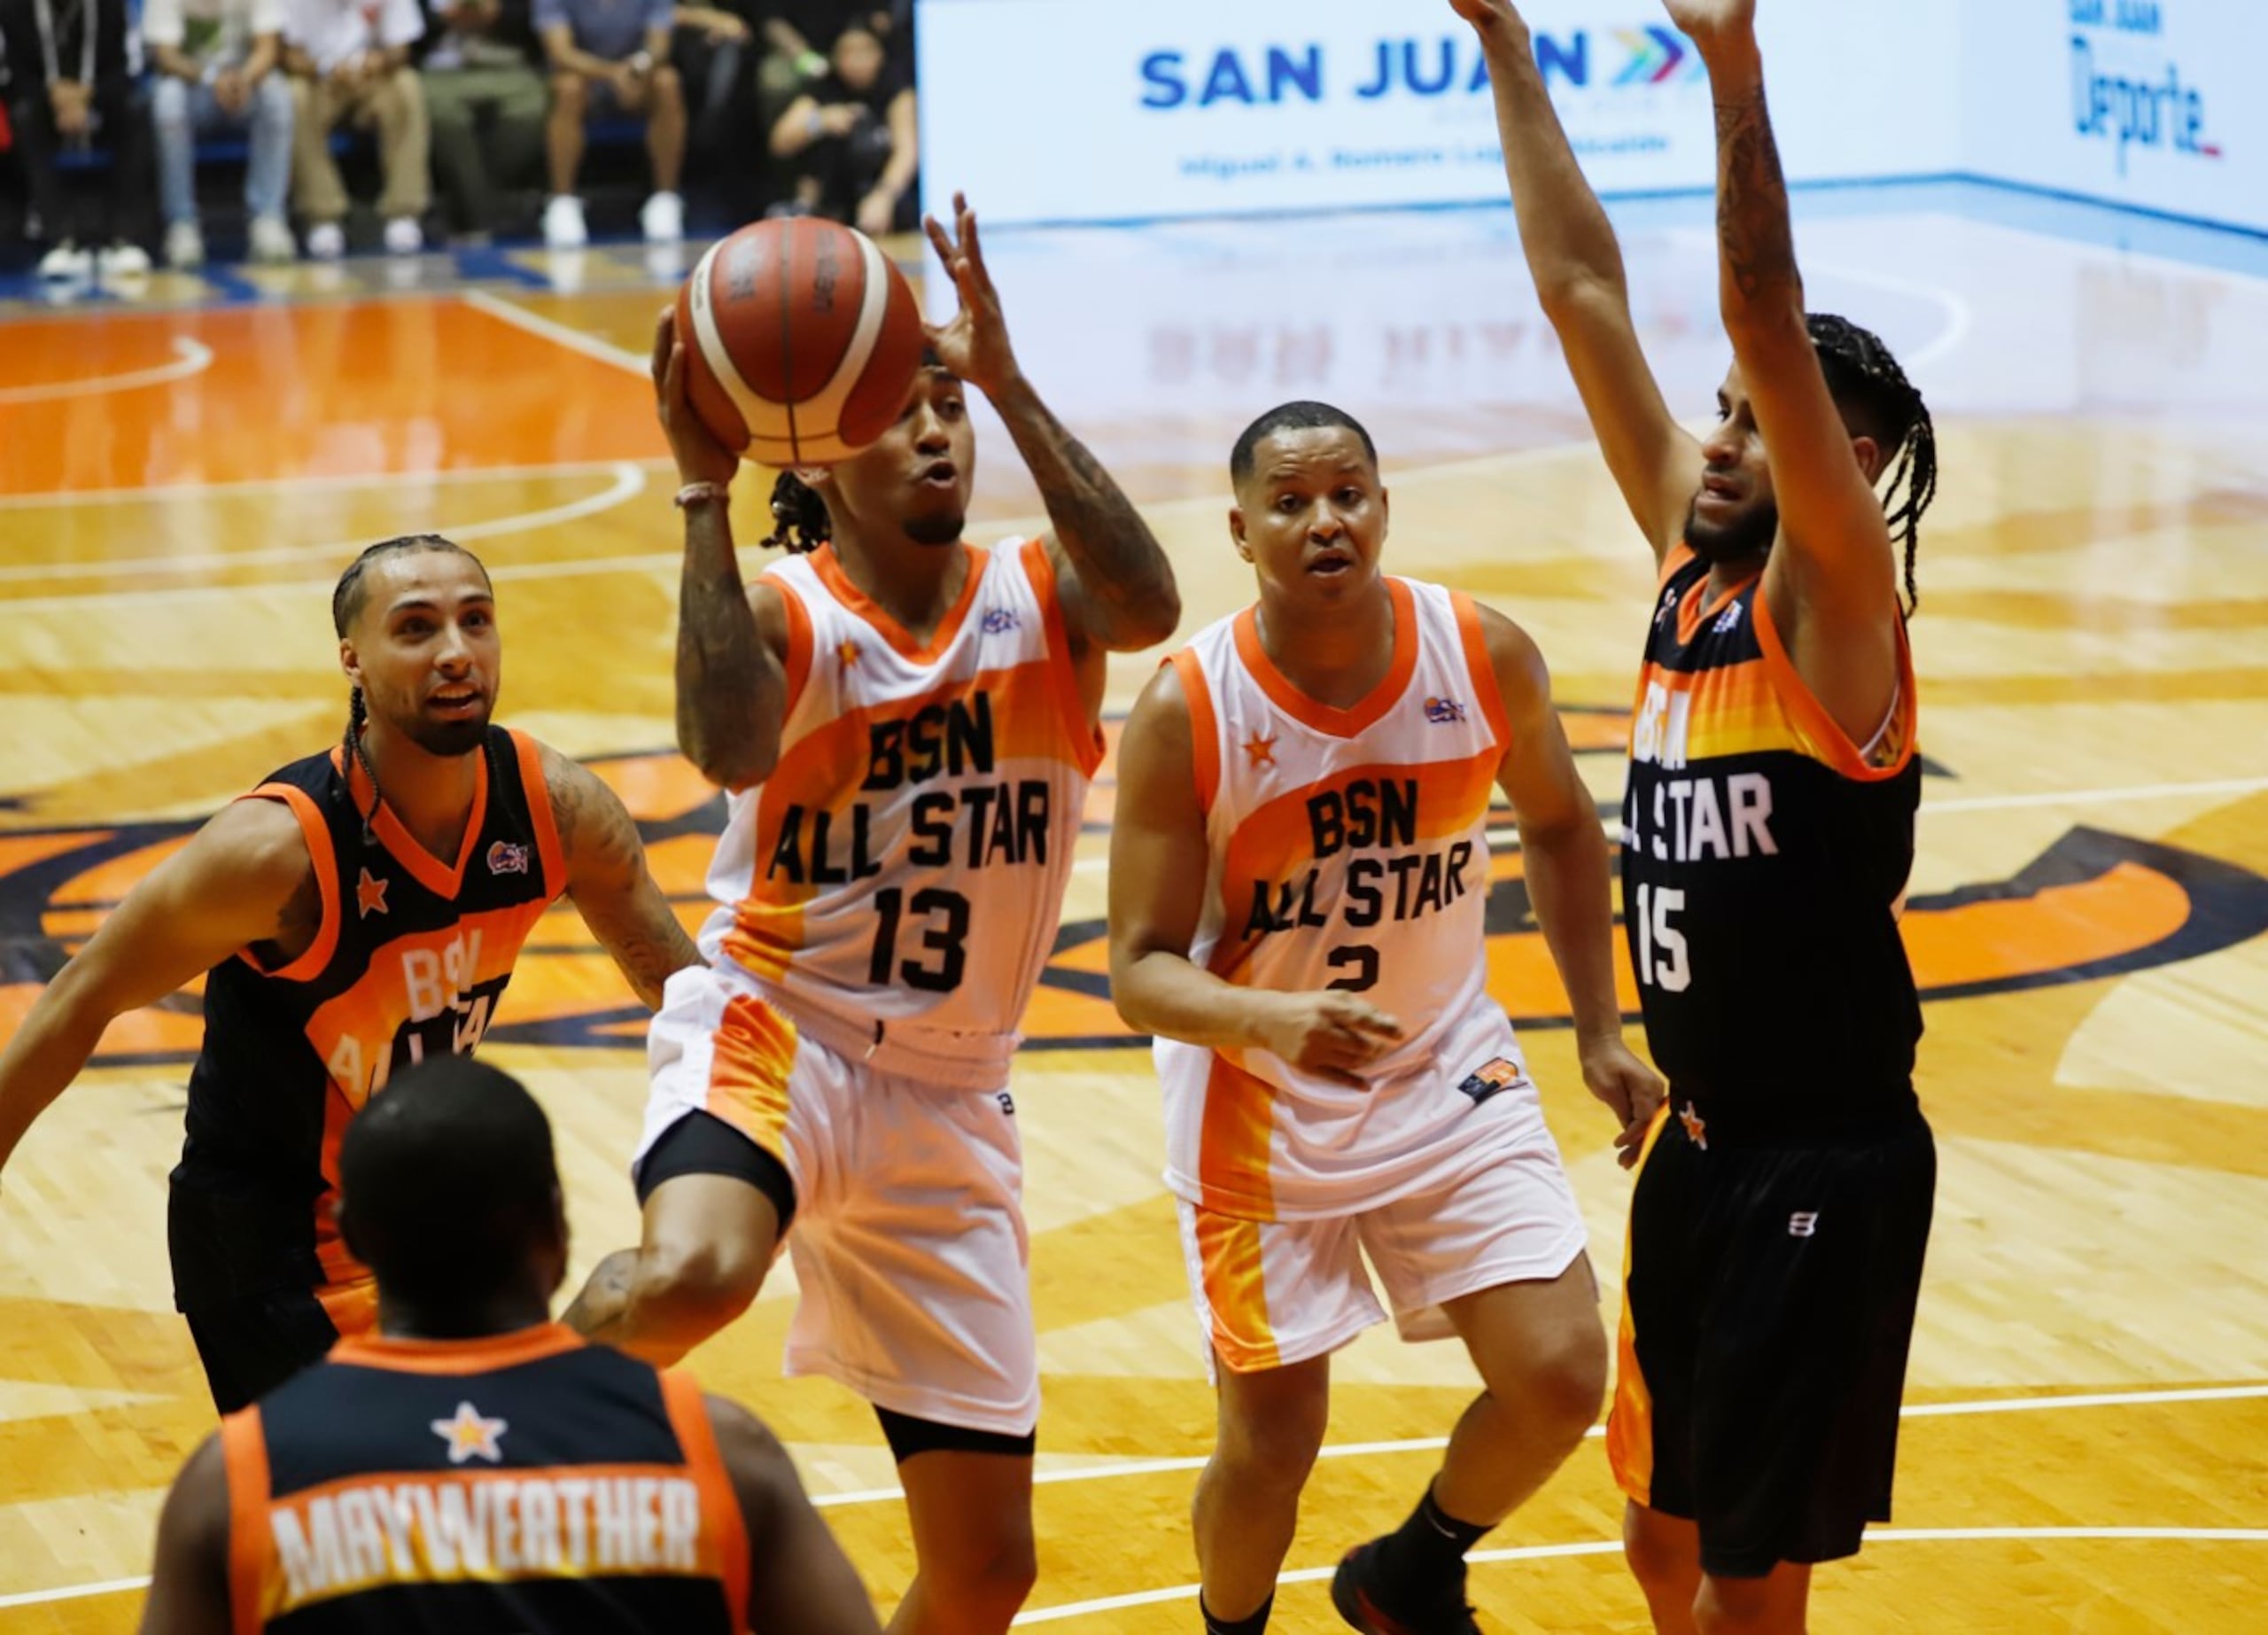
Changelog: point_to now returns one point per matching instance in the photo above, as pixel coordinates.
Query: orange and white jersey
(1349, 850)
(894, 885)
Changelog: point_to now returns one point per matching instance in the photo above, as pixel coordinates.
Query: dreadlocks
(799, 518)
(345, 607)
(1879, 402)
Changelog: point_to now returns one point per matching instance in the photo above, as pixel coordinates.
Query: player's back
(1763, 858)
(1349, 850)
(527, 1483)
(902, 869)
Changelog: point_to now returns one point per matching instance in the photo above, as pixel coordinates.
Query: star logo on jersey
(1259, 751)
(1000, 620)
(847, 652)
(505, 858)
(1727, 620)
(371, 895)
(469, 1436)
(1444, 712)
(1696, 1128)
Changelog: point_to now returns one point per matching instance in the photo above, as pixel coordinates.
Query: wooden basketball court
(182, 479)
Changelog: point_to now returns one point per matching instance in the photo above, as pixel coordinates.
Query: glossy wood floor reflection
(181, 482)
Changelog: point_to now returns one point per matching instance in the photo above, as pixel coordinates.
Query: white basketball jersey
(895, 884)
(1349, 850)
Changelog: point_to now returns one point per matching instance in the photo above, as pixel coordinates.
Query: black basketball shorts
(1768, 1297)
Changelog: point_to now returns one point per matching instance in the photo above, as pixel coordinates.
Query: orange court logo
(2093, 904)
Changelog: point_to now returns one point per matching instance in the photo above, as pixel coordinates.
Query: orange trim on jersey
(1204, 726)
(799, 639)
(721, 1505)
(400, 1355)
(1234, 1175)
(1083, 735)
(538, 789)
(428, 870)
(1822, 736)
(1690, 612)
(1630, 1420)
(1675, 558)
(753, 1053)
(1480, 668)
(1328, 717)
(252, 1547)
(829, 569)
(351, 1306)
(1231, 1263)
(317, 833)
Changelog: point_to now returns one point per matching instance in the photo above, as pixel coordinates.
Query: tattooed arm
(732, 682)
(1116, 586)
(609, 881)
(1833, 580)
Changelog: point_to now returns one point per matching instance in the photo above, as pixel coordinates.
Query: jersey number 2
(1661, 945)
(948, 941)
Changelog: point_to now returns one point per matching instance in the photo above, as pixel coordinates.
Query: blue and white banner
(1078, 110)
(2156, 104)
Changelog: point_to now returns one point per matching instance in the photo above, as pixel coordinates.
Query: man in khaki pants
(350, 62)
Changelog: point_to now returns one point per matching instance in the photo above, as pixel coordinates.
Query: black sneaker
(1359, 1594)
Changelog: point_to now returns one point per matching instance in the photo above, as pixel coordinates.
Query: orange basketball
(801, 341)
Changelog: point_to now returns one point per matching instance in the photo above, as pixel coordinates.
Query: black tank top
(1763, 860)
(527, 1483)
(409, 961)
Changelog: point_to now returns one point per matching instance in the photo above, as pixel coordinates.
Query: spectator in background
(350, 62)
(71, 82)
(486, 102)
(217, 63)
(851, 141)
(714, 49)
(610, 55)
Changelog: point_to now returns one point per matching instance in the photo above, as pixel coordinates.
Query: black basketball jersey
(523, 1485)
(409, 961)
(1763, 860)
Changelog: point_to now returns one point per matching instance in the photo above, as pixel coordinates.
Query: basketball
(801, 341)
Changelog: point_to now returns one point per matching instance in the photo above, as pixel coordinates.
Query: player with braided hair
(905, 723)
(360, 910)
(1780, 1219)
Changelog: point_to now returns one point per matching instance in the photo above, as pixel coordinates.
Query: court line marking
(1535, 1553)
(1351, 1450)
(561, 334)
(629, 482)
(171, 493)
(191, 357)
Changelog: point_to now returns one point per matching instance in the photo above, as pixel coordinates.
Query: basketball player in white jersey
(1299, 864)
(907, 725)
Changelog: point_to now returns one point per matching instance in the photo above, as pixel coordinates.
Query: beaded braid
(1857, 361)
(356, 715)
(799, 518)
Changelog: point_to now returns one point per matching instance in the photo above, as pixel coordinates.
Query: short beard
(447, 740)
(1749, 534)
(944, 528)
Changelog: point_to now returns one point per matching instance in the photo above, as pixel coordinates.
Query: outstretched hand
(975, 345)
(701, 458)
(1705, 22)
